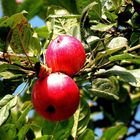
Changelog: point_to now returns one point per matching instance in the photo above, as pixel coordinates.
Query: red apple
(65, 54)
(56, 97)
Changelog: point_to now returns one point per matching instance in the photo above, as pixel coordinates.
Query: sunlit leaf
(42, 31)
(22, 132)
(61, 23)
(87, 135)
(102, 27)
(27, 106)
(130, 76)
(5, 100)
(118, 42)
(81, 119)
(114, 132)
(44, 137)
(103, 87)
(4, 111)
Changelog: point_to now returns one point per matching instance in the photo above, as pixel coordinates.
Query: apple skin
(56, 97)
(65, 54)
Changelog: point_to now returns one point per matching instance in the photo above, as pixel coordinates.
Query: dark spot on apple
(50, 109)
(58, 41)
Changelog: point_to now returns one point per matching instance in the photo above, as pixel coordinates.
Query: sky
(37, 22)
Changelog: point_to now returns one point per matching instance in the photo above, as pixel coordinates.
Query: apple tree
(108, 82)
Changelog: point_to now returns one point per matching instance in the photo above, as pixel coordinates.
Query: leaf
(123, 73)
(102, 27)
(103, 87)
(114, 133)
(58, 130)
(87, 135)
(42, 31)
(134, 38)
(22, 132)
(69, 5)
(21, 38)
(93, 8)
(126, 56)
(5, 100)
(4, 111)
(61, 23)
(111, 16)
(117, 3)
(108, 52)
(8, 131)
(34, 7)
(136, 74)
(118, 42)
(13, 20)
(27, 106)
(81, 119)
(44, 137)
(10, 8)
(35, 47)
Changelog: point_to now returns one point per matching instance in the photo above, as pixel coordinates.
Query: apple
(55, 97)
(65, 54)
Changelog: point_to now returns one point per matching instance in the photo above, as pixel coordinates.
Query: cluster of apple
(56, 96)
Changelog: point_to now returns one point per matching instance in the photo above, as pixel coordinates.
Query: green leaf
(61, 23)
(126, 57)
(92, 7)
(21, 38)
(8, 131)
(58, 130)
(102, 27)
(69, 5)
(123, 73)
(117, 3)
(35, 47)
(13, 20)
(10, 8)
(103, 87)
(34, 7)
(81, 119)
(136, 74)
(118, 42)
(87, 135)
(44, 137)
(42, 31)
(27, 106)
(108, 52)
(81, 4)
(22, 132)
(111, 16)
(4, 111)
(114, 133)
(5, 100)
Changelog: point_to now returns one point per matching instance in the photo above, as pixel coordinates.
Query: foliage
(109, 81)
